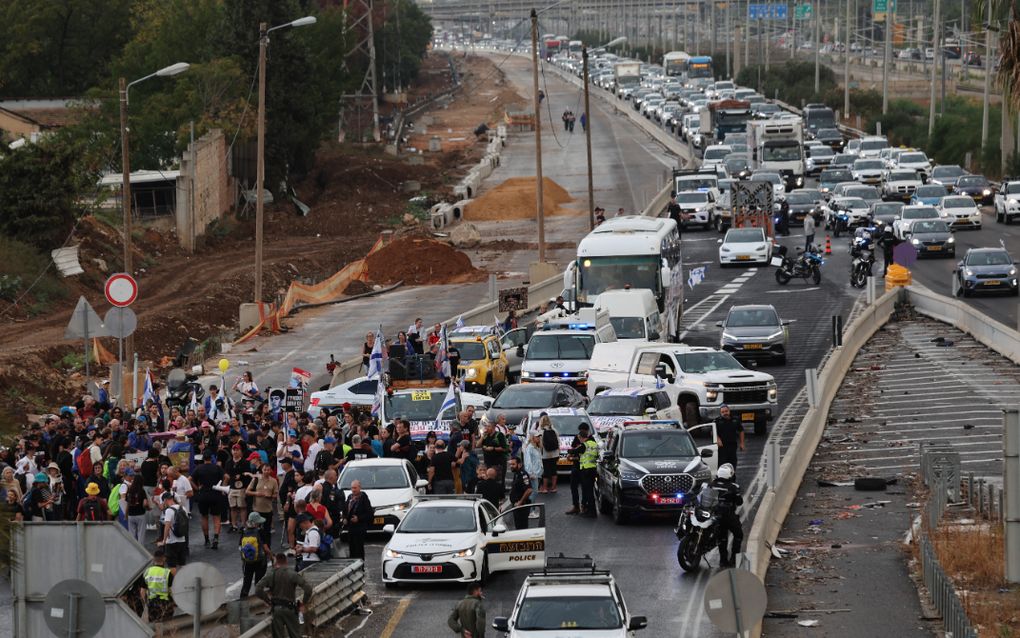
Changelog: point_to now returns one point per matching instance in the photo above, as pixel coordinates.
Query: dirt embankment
(516, 198)
(421, 261)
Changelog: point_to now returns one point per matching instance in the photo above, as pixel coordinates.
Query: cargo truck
(778, 146)
(723, 118)
(626, 78)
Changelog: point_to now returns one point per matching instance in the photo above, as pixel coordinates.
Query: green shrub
(20, 265)
(791, 82)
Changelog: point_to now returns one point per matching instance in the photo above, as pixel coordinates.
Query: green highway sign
(803, 12)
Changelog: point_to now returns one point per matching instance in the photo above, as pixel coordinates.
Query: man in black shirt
(491, 489)
(205, 478)
(360, 450)
(520, 492)
(326, 458)
(403, 447)
(494, 449)
(239, 470)
(441, 470)
(729, 433)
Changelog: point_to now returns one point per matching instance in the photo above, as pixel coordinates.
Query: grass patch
(71, 361)
(20, 265)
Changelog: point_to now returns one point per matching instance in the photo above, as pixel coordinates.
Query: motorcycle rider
(887, 243)
(783, 217)
(725, 511)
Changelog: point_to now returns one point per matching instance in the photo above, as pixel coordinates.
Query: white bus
(635, 252)
(574, 48)
(675, 63)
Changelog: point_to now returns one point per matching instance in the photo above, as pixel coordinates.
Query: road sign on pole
(120, 323)
(803, 12)
(74, 608)
(121, 289)
(735, 600)
(84, 325)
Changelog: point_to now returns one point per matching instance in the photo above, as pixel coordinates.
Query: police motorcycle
(862, 255)
(807, 265)
(182, 388)
(698, 528)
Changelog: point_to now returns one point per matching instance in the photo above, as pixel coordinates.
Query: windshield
(972, 180)
(716, 153)
(902, 175)
(691, 198)
(829, 133)
(439, 520)
(868, 165)
(699, 70)
(469, 350)
(921, 213)
(735, 165)
(527, 396)
(628, 327)
(780, 153)
(934, 190)
(852, 202)
(929, 226)
(887, 209)
(561, 346)
(375, 477)
(599, 274)
(864, 192)
(616, 406)
(988, 258)
(420, 405)
(574, 613)
(942, 172)
(913, 158)
(958, 202)
(752, 317)
(702, 362)
(566, 424)
(799, 198)
(744, 235)
(821, 151)
(773, 178)
(1013, 188)
(696, 183)
(835, 177)
(844, 159)
(665, 444)
(874, 145)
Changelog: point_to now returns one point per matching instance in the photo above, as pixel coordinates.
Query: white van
(633, 313)
(561, 350)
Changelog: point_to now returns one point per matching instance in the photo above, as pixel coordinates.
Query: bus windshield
(699, 69)
(599, 274)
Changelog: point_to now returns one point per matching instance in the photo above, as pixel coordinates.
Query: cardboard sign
(295, 400)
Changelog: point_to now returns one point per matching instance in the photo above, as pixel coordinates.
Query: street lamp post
(124, 87)
(260, 165)
(587, 129)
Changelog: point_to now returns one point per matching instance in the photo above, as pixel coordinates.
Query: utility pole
(988, 77)
(729, 38)
(126, 204)
(815, 10)
(1011, 487)
(587, 138)
(846, 65)
(260, 162)
(747, 33)
(890, 19)
(540, 196)
(934, 65)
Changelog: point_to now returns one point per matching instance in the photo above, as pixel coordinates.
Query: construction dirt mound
(419, 261)
(515, 199)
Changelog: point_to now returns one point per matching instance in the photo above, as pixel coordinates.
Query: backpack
(179, 527)
(550, 442)
(91, 510)
(325, 551)
(85, 462)
(113, 501)
(250, 548)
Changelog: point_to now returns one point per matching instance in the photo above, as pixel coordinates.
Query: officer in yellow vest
(587, 461)
(158, 578)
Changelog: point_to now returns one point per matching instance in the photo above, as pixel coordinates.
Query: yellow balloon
(224, 365)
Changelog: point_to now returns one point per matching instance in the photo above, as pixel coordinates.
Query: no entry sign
(121, 290)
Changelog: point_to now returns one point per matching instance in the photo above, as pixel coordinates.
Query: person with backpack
(550, 454)
(37, 499)
(468, 618)
(533, 463)
(174, 540)
(254, 553)
(136, 504)
(91, 508)
(309, 547)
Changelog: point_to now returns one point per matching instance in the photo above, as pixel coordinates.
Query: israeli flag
(149, 393)
(380, 395)
(194, 401)
(460, 323)
(659, 383)
(697, 276)
(449, 402)
(375, 360)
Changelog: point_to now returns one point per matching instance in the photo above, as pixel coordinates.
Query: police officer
(574, 455)
(520, 492)
(887, 242)
(157, 588)
(783, 210)
(588, 459)
(729, 435)
(279, 589)
(726, 514)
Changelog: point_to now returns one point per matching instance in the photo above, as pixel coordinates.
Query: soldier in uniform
(279, 589)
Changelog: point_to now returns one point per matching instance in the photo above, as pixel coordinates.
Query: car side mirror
(787, 322)
(718, 324)
(637, 623)
(719, 241)
(498, 528)
(486, 405)
(520, 350)
(421, 484)
(707, 453)
(389, 529)
(501, 623)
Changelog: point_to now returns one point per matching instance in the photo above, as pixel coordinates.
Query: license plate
(378, 520)
(934, 247)
(992, 283)
(752, 346)
(426, 569)
(777, 261)
(564, 462)
(747, 416)
(743, 257)
(669, 500)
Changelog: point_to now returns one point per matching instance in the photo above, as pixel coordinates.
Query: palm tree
(1005, 22)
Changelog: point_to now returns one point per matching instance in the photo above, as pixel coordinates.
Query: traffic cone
(828, 245)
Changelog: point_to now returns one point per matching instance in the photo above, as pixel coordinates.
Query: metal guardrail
(984, 498)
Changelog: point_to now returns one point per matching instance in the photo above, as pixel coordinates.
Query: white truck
(698, 379)
(778, 146)
(626, 78)
(633, 312)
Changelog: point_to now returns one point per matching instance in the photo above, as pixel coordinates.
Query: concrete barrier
(458, 208)
(997, 336)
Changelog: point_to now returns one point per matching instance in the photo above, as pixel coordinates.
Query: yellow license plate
(992, 283)
(421, 395)
(564, 462)
(934, 247)
(752, 346)
(378, 520)
(743, 257)
(747, 416)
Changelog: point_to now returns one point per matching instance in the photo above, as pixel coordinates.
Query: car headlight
(400, 507)
(1012, 271)
(800, 180)
(774, 335)
(968, 272)
(725, 249)
(465, 553)
(711, 395)
(728, 337)
(773, 392)
(1013, 200)
(525, 374)
(986, 192)
(392, 554)
(760, 247)
(915, 241)
(951, 240)
(471, 373)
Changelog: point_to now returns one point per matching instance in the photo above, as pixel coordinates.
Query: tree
(401, 43)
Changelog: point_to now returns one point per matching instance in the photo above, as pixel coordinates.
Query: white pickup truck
(698, 379)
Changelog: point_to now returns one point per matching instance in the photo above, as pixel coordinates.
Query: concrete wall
(205, 189)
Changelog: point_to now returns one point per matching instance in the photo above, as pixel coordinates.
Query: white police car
(462, 538)
(614, 407)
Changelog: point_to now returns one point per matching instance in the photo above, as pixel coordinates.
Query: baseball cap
(252, 456)
(167, 496)
(301, 518)
(255, 519)
(584, 426)
(41, 478)
(291, 433)
(237, 446)
(329, 439)
(287, 460)
(129, 472)
(142, 418)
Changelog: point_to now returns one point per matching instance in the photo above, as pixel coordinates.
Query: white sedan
(359, 391)
(901, 225)
(392, 485)
(462, 539)
(960, 211)
(745, 246)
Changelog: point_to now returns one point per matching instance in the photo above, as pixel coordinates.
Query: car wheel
(483, 577)
(605, 505)
(619, 515)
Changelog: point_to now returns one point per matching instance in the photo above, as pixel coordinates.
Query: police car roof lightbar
(671, 422)
(573, 564)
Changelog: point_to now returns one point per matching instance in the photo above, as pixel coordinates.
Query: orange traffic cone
(828, 245)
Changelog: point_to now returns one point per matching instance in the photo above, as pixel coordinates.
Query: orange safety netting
(330, 289)
(101, 355)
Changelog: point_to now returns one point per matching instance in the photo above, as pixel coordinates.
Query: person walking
(158, 578)
(173, 539)
(550, 454)
(809, 231)
(279, 590)
(137, 505)
(440, 471)
(358, 515)
(584, 122)
(726, 513)
(587, 462)
(729, 436)
(887, 242)
(206, 477)
(566, 118)
(308, 548)
(467, 465)
(533, 462)
(90, 508)
(254, 553)
(264, 490)
(494, 449)
(468, 618)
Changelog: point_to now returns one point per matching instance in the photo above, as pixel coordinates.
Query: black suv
(648, 467)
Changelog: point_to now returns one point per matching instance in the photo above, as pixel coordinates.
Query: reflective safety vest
(157, 581)
(590, 455)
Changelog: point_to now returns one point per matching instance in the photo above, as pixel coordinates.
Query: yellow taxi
(483, 364)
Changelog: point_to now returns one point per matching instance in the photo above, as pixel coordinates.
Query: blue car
(986, 270)
(928, 195)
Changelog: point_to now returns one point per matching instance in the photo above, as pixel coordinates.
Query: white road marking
(703, 317)
(789, 290)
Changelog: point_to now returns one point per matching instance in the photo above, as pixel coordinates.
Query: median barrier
(997, 336)
(458, 208)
